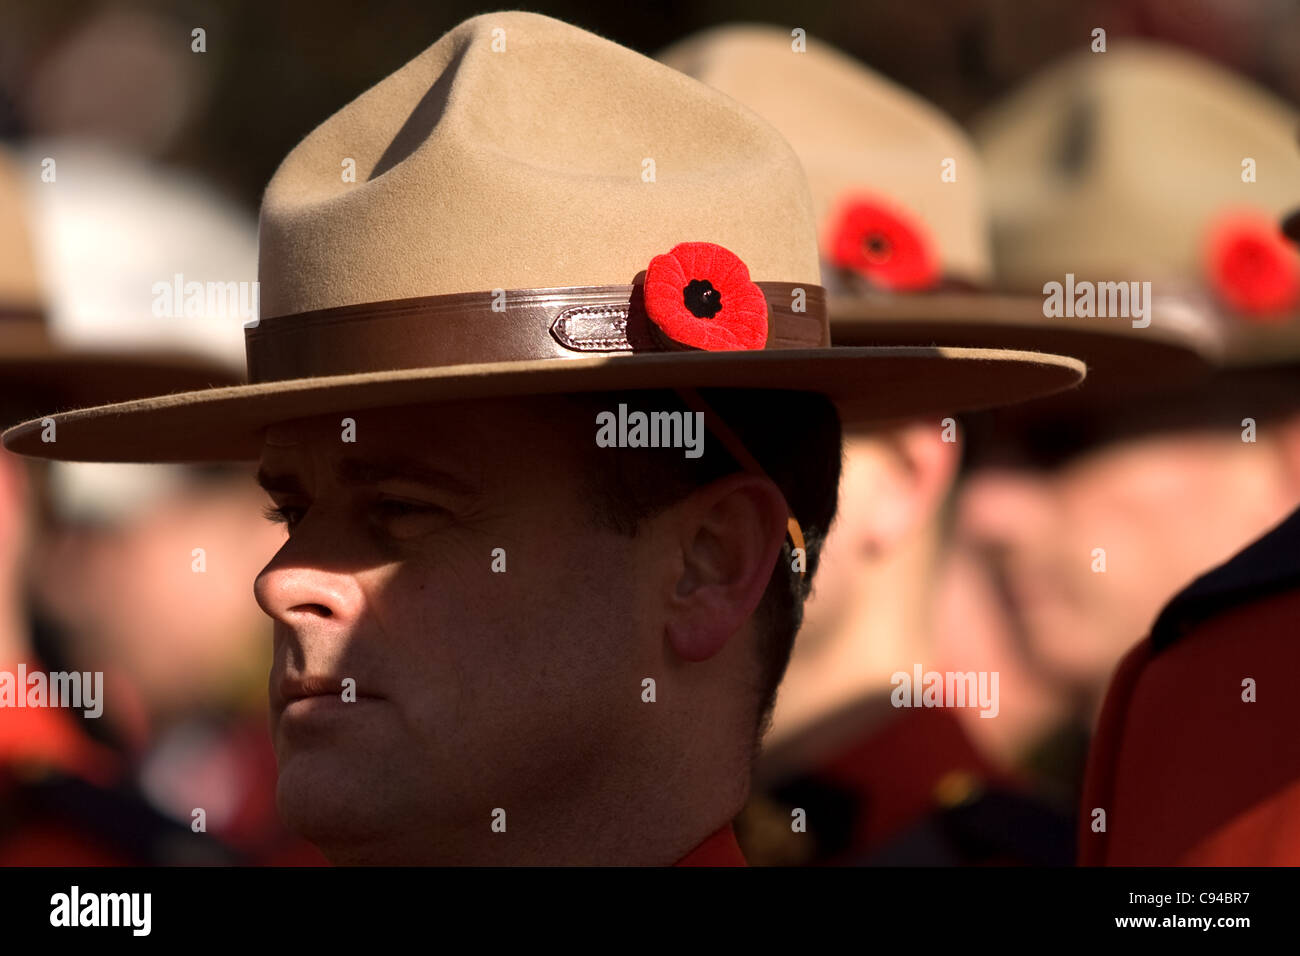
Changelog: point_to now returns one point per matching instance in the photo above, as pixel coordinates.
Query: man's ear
(729, 534)
(894, 482)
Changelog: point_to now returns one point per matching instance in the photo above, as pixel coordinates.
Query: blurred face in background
(1164, 506)
(122, 575)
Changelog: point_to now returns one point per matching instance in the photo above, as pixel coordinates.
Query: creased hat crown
(856, 132)
(521, 152)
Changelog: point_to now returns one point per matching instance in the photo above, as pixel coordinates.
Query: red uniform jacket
(720, 849)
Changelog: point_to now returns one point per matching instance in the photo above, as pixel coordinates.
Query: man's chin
(330, 800)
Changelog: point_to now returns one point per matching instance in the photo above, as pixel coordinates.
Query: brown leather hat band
(513, 325)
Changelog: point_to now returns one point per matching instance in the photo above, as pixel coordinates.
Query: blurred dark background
(124, 71)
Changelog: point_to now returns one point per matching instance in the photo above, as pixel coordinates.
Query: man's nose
(300, 585)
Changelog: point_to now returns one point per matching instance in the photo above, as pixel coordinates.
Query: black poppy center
(702, 299)
(877, 247)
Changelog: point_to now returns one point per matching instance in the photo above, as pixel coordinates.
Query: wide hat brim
(871, 386)
(1178, 347)
(52, 377)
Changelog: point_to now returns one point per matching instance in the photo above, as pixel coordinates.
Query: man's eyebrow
(357, 471)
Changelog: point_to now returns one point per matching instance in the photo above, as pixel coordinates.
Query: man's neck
(649, 814)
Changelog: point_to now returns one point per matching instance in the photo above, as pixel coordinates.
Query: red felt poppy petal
(717, 339)
(663, 285)
(748, 325)
(685, 331)
(745, 307)
(665, 268)
(748, 308)
(688, 254)
(682, 256)
(734, 276)
(706, 254)
(663, 294)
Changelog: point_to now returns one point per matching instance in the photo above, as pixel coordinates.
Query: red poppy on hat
(1252, 267)
(882, 243)
(699, 295)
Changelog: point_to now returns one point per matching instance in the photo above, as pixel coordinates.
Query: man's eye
(404, 518)
(281, 514)
(396, 508)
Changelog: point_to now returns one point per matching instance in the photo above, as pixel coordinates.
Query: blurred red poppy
(882, 243)
(1252, 267)
(700, 296)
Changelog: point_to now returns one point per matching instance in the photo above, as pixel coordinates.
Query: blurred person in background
(906, 259)
(144, 571)
(1078, 519)
(1205, 705)
(66, 796)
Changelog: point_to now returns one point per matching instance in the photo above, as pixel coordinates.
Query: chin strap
(731, 441)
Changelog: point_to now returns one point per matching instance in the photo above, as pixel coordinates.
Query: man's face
(475, 689)
(1164, 507)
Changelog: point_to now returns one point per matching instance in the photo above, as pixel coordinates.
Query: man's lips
(302, 688)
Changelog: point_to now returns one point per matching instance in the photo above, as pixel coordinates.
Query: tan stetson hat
(1147, 163)
(897, 189)
(512, 184)
(38, 370)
